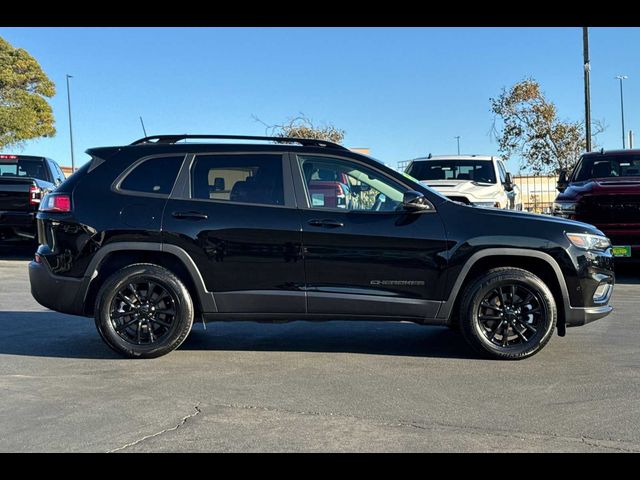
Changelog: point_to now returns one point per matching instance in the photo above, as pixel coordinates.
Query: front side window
(337, 183)
(476, 170)
(250, 178)
(154, 175)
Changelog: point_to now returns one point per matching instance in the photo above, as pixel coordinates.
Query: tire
(530, 314)
(149, 320)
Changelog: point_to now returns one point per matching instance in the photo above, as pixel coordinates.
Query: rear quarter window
(154, 175)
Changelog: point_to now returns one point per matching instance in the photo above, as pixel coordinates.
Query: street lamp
(458, 139)
(73, 163)
(621, 78)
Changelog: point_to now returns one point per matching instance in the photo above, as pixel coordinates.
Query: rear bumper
(577, 317)
(57, 293)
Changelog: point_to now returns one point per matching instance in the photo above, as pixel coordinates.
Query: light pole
(73, 163)
(621, 78)
(587, 94)
(458, 139)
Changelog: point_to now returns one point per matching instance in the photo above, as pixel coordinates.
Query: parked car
(230, 231)
(469, 179)
(604, 189)
(23, 182)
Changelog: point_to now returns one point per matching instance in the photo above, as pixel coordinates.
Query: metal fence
(537, 192)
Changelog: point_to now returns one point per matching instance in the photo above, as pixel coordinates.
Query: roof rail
(302, 141)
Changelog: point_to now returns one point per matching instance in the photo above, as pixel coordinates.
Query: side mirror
(563, 183)
(508, 182)
(415, 201)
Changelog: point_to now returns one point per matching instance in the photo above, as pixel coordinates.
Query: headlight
(564, 209)
(589, 242)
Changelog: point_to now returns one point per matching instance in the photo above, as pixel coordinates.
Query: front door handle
(190, 215)
(325, 222)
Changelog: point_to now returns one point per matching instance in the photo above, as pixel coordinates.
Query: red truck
(604, 190)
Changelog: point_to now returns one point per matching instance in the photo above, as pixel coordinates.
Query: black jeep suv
(149, 236)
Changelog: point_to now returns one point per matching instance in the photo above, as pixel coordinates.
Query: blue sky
(402, 92)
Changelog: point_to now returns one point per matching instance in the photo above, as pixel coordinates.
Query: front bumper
(578, 316)
(58, 293)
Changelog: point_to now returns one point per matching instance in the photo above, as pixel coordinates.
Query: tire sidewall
(182, 321)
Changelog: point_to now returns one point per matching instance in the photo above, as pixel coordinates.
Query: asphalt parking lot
(337, 386)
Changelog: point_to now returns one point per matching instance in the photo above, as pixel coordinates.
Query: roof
(628, 151)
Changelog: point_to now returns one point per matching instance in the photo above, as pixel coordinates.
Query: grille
(609, 209)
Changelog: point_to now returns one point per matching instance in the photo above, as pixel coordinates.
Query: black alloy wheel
(511, 314)
(143, 312)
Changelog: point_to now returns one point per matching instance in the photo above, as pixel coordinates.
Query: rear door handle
(325, 222)
(190, 215)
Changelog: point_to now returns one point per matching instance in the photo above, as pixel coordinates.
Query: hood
(602, 186)
(506, 215)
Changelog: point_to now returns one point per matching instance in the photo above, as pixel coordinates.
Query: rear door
(235, 215)
(366, 256)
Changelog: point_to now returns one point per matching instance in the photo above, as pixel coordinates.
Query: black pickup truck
(24, 180)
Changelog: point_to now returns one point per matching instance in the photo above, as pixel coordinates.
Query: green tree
(303, 127)
(24, 89)
(529, 127)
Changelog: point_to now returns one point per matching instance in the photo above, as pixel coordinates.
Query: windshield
(475, 170)
(607, 166)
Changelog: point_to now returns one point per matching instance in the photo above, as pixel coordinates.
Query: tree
(24, 89)
(531, 128)
(303, 127)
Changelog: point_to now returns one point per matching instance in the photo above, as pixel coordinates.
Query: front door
(236, 218)
(364, 254)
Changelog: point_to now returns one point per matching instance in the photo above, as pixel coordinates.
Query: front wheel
(507, 313)
(143, 311)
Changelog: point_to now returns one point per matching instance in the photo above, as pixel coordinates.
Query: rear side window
(252, 178)
(154, 175)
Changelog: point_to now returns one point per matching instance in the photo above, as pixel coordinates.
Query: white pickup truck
(470, 179)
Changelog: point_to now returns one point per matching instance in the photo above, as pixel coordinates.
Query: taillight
(35, 195)
(56, 202)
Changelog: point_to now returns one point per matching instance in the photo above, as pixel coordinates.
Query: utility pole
(587, 94)
(458, 139)
(621, 78)
(73, 163)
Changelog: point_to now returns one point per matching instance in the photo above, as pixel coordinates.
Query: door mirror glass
(415, 201)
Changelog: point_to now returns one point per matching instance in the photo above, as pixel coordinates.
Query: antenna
(143, 129)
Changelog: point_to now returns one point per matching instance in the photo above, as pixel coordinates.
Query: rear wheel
(143, 311)
(507, 313)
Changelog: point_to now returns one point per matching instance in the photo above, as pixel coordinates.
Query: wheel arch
(112, 257)
(539, 263)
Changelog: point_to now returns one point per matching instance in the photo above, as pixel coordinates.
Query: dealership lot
(337, 386)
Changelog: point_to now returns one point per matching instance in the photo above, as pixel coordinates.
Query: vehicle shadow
(17, 251)
(51, 334)
(365, 337)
